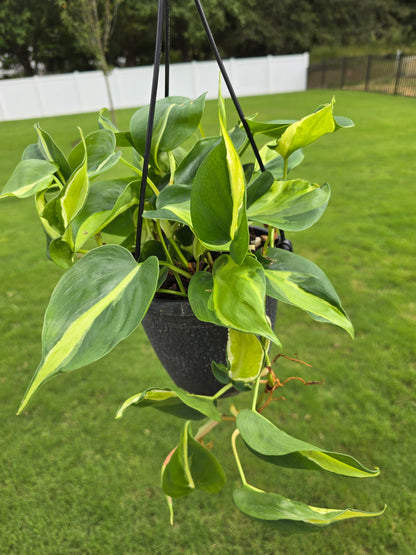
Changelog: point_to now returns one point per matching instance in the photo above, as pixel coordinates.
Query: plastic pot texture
(186, 346)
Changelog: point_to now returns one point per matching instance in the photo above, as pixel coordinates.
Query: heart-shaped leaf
(173, 203)
(245, 355)
(263, 437)
(307, 130)
(191, 466)
(106, 201)
(97, 303)
(101, 153)
(292, 205)
(176, 119)
(51, 151)
(238, 296)
(271, 506)
(297, 281)
(173, 397)
(274, 128)
(62, 209)
(188, 167)
(200, 297)
(29, 177)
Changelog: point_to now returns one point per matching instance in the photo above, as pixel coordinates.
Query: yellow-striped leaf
(51, 151)
(271, 506)
(191, 466)
(307, 130)
(61, 210)
(245, 356)
(173, 400)
(96, 304)
(295, 280)
(29, 177)
(238, 296)
(265, 439)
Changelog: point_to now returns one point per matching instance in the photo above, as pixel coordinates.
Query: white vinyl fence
(73, 93)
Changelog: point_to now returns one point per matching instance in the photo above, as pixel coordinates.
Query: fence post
(368, 72)
(343, 71)
(398, 72)
(323, 73)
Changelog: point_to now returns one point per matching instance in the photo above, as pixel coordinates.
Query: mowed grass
(75, 481)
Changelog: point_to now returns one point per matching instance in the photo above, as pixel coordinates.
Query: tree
(31, 39)
(92, 23)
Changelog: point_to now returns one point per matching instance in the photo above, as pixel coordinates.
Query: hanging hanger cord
(282, 240)
(224, 73)
(167, 48)
(156, 66)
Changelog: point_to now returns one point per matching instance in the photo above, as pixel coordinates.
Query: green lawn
(75, 481)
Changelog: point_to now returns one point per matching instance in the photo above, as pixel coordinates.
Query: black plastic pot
(186, 346)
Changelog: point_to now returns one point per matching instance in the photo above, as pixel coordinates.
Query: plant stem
(166, 251)
(139, 173)
(255, 393)
(172, 167)
(175, 269)
(162, 240)
(222, 391)
(237, 458)
(201, 130)
(170, 292)
(99, 239)
(210, 260)
(205, 429)
(183, 260)
(285, 164)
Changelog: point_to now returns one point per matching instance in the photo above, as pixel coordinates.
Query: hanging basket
(186, 346)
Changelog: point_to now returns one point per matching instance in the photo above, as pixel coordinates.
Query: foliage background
(33, 33)
(75, 481)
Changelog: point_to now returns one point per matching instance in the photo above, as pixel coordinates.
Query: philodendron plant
(201, 201)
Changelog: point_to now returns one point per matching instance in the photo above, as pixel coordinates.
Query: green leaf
(258, 187)
(51, 151)
(200, 297)
(191, 466)
(176, 119)
(298, 281)
(97, 303)
(174, 397)
(239, 234)
(211, 200)
(342, 122)
(218, 198)
(245, 356)
(263, 437)
(122, 138)
(62, 209)
(29, 177)
(271, 506)
(100, 147)
(307, 130)
(165, 400)
(187, 169)
(176, 476)
(61, 252)
(238, 296)
(274, 128)
(292, 205)
(213, 206)
(106, 201)
(32, 152)
(173, 203)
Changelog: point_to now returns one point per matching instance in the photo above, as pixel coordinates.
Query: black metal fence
(386, 74)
